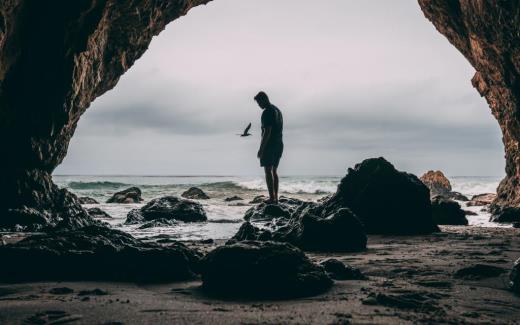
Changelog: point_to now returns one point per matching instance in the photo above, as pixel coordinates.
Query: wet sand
(410, 280)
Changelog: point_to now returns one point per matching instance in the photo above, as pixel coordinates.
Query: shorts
(272, 155)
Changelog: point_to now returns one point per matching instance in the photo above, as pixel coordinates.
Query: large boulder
(95, 253)
(195, 193)
(339, 232)
(262, 270)
(387, 201)
(514, 277)
(505, 215)
(436, 182)
(130, 195)
(266, 211)
(170, 208)
(481, 199)
(447, 212)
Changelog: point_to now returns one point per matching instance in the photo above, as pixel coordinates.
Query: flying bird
(246, 131)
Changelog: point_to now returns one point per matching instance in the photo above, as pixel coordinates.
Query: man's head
(262, 100)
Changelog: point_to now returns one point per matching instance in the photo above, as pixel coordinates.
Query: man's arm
(265, 138)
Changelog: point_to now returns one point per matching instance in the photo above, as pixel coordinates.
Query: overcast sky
(354, 79)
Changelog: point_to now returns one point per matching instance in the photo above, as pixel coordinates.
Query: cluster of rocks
(95, 253)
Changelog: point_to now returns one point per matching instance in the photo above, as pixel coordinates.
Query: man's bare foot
(271, 201)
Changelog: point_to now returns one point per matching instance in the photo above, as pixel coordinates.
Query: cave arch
(56, 58)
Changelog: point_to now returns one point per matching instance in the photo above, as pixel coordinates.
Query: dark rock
(514, 277)
(265, 211)
(94, 292)
(87, 200)
(481, 199)
(195, 193)
(130, 195)
(516, 224)
(98, 213)
(170, 208)
(262, 270)
(61, 291)
(233, 198)
(470, 213)
(479, 271)
(436, 182)
(506, 215)
(95, 253)
(447, 212)
(258, 199)
(339, 232)
(339, 271)
(159, 223)
(386, 200)
(456, 196)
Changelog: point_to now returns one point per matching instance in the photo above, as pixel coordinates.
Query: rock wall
(487, 33)
(56, 57)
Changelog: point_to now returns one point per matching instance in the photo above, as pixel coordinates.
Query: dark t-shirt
(272, 117)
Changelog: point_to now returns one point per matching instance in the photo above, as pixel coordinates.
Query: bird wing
(247, 128)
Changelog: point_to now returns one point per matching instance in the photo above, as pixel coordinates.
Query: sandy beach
(411, 279)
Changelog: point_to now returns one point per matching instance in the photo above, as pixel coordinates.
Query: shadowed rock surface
(447, 212)
(387, 201)
(487, 33)
(337, 270)
(262, 270)
(195, 193)
(87, 200)
(95, 253)
(339, 232)
(233, 198)
(436, 182)
(130, 195)
(168, 208)
(506, 215)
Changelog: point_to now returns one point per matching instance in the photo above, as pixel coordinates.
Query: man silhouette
(271, 146)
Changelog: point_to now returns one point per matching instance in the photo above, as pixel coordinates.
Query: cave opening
(350, 86)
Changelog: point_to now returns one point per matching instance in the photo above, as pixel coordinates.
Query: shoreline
(410, 280)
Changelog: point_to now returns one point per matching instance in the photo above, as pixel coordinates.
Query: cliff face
(56, 57)
(487, 33)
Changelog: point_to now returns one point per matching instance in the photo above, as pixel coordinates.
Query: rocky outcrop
(95, 253)
(130, 195)
(387, 201)
(168, 208)
(447, 212)
(436, 182)
(195, 193)
(261, 270)
(487, 33)
(481, 199)
(339, 232)
(55, 59)
(87, 200)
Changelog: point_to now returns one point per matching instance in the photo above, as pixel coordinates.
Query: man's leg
(275, 183)
(269, 181)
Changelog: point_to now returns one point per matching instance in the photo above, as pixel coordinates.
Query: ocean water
(226, 217)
